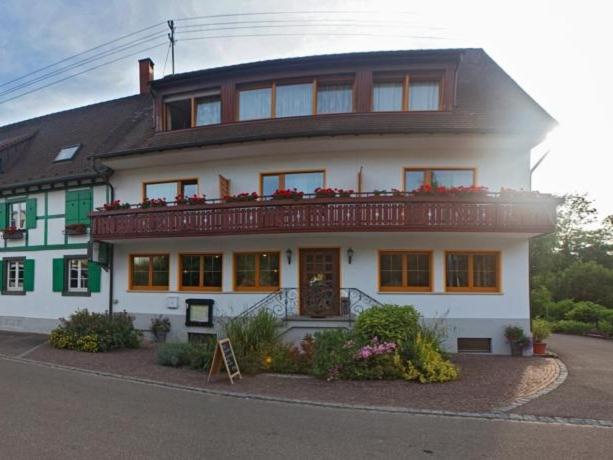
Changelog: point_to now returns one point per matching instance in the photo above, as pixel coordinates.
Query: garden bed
(486, 382)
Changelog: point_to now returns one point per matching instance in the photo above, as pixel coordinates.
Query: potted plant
(253, 196)
(114, 205)
(287, 194)
(75, 229)
(325, 192)
(12, 233)
(160, 326)
(344, 193)
(517, 340)
(540, 331)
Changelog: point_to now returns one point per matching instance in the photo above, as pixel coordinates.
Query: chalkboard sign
(224, 353)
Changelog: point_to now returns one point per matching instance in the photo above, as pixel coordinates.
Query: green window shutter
(72, 207)
(85, 206)
(28, 275)
(31, 213)
(2, 281)
(93, 276)
(58, 275)
(3, 215)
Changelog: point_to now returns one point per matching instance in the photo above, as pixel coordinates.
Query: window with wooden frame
(295, 98)
(467, 271)
(16, 275)
(405, 271)
(149, 272)
(200, 272)
(304, 181)
(168, 190)
(202, 109)
(257, 271)
(414, 178)
(407, 92)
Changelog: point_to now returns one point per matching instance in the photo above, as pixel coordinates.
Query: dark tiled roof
(28, 148)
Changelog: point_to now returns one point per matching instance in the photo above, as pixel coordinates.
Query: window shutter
(84, 206)
(2, 281)
(360, 179)
(31, 213)
(93, 276)
(3, 215)
(28, 275)
(58, 275)
(224, 186)
(72, 207)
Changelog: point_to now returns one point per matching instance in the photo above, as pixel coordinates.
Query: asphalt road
(588, 390)
(53, 413)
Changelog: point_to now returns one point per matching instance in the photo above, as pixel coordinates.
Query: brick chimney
(145, 74)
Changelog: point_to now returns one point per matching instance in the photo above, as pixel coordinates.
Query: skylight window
(67, 153)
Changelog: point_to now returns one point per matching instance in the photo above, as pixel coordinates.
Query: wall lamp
(349, 255)
(288, 254)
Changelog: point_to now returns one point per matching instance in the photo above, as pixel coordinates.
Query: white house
(313, 187)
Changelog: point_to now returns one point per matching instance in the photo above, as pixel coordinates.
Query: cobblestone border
(494, 415)
(559, 380)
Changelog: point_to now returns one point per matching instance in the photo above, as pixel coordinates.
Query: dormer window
(67, 153)
(183, 112)
(412, 93)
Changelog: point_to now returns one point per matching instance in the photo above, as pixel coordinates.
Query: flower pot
(517, 349)
(160, 336)
(539, 348)
(18, 235)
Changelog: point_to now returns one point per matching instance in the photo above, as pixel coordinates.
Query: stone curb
(499, 416)
(559, 380)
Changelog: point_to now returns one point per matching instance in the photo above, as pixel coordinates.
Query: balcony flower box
(241, 197)
(154, 203)
(181, 200)
(325, 193)
(342, 193)
(13, 233)
(289, 194)
(115, 205)
(75, 229)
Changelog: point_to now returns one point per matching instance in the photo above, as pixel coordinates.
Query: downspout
(106, 175)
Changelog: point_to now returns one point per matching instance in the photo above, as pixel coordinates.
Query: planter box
(73, 231)
(18, 235)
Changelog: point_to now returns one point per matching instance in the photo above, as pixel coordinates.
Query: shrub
(292, 359)
(605, 327)
(388, 323)
(540, 302)
(195, 356)
(586, 312)
(557, 310)
(567, 326)
(253, 338)
(541, 329)
(425, 363)
(93, 332)
(332, 352)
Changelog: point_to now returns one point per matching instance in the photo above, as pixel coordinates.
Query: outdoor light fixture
(288, 253)
(349, 255)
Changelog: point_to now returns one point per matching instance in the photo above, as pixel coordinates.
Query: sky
(558, 51)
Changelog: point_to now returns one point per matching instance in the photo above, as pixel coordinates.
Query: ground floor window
(200, 272)
(77, 275)
(472, 271)
(405, 271)
(15, 275)
(149, 271)
(256, 271)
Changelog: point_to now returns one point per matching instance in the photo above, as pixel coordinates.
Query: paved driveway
(17, 343)
(588, 390)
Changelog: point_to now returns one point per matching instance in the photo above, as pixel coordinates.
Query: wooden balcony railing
(358, 213)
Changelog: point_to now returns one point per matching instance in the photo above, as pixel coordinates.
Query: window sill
(439, 293)
(13, 292)
(76, 294)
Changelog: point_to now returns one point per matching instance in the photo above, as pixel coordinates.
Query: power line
(310, 34)
(307, 20)
(81, 54)
(276, 13)
(82, 72)
(82, 62)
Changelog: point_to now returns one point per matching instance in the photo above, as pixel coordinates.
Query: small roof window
(67, 153)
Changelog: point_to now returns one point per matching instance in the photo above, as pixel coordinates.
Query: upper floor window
(305, 182)
(255, 103)
(170, 189)
(415, 178)
(334, 98)
(412, 93)
(294, 100)
(17, 215)
(201, 110)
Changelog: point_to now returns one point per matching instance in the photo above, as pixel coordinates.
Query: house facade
(312, 187)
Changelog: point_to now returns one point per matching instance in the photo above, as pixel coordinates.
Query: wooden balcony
(358, 213)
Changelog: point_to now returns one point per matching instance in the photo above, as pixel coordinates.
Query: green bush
(426, 364)
(388, 323)
(586, 312)
(540, 302)
(253, 338)
(195, 356)
(332, 351)
(541, 329)
(94, 332)
(558, 310)
(567, 326)
(292, 359)
(605, 327)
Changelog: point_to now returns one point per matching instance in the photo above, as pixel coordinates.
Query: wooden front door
(320, 282)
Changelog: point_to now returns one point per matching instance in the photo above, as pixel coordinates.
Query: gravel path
(588, 390)
(486, 383)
